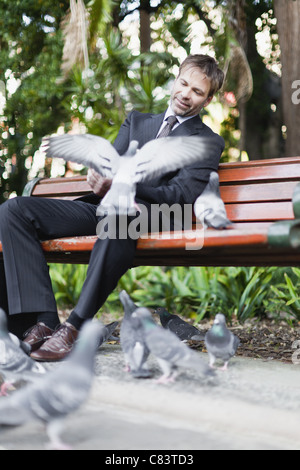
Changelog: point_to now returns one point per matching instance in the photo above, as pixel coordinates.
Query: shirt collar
(180, 119)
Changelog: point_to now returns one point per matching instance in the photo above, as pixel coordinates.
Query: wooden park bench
(262, 200)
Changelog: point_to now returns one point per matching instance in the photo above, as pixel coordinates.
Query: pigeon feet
(165, 379)
(5, 387)
(58, 445)
(224, 368)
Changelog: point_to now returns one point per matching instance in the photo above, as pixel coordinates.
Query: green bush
(195, 292)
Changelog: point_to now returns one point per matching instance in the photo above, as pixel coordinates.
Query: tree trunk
(288, 26)
(145, 26)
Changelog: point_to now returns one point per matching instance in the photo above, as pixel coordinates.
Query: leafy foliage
(30, 53)
(195, 292)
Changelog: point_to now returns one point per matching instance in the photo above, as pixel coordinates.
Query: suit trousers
(25, 284)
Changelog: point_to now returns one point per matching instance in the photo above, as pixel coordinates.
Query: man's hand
(98, 183)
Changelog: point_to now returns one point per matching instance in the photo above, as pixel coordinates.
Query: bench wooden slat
(256, 212)
(62, 188)
(282, 191)
(265, 173)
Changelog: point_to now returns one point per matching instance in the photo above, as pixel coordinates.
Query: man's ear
(206, 103)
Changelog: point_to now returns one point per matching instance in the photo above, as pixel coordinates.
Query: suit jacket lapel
(151, 127)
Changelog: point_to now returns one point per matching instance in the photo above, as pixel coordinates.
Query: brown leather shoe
(58, 346)
(37, 335)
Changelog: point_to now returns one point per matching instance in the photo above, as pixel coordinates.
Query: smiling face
(190, 92)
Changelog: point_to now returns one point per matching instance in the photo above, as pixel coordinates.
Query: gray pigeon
(24, 346)
(220, 342)
(107, 332)
(170, 352)
(60, 392)
(132, 340)
(135, 166)
(15, 364)
(181, 328)
(209, 207)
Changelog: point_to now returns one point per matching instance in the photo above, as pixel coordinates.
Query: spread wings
(171, 153)
(87, 149)
(154, 159)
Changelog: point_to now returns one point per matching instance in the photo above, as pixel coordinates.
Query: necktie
(171, 121)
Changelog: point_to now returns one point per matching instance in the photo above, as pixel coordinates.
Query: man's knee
(13, 210)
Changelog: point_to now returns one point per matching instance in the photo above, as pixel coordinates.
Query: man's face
(190, 92)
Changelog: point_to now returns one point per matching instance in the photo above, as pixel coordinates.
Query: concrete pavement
(255, 405)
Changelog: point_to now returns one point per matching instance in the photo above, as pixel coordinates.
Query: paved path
(255, 405)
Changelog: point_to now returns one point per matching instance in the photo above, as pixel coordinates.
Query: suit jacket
(182, 186)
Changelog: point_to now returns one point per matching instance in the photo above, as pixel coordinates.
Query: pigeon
(60, 392)
(107, 332)
(170, 352)
(132, 340)
(15, 364)
(220, 342)
(24, 346)
(155, 158)
(209, 207)
(181, 328)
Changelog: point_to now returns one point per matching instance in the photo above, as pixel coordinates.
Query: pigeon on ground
(15, 364)
(170, 352)
(60, 392)
(209, 207)
(220, 342)
(181, 328)
(107, 332)
(24, 346)
(151, 161)
(132, 340)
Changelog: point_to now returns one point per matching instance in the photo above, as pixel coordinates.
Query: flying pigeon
(153, 159)
(170, 352)
(209, 207)
(132, 340)
(220, 342)
(15, 364)
(181, 328)
(107, 332)
(60, 392)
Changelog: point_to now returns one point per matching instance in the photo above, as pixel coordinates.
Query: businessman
(25, 287)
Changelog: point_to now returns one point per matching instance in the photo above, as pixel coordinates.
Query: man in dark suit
(26, 291)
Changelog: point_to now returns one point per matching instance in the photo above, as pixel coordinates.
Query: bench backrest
(258, 191)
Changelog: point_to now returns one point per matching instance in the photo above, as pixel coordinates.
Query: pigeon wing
(169, 154)
(165, 344)
(87, 149)
(15, 409)
(14, 361)
(183, 330)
